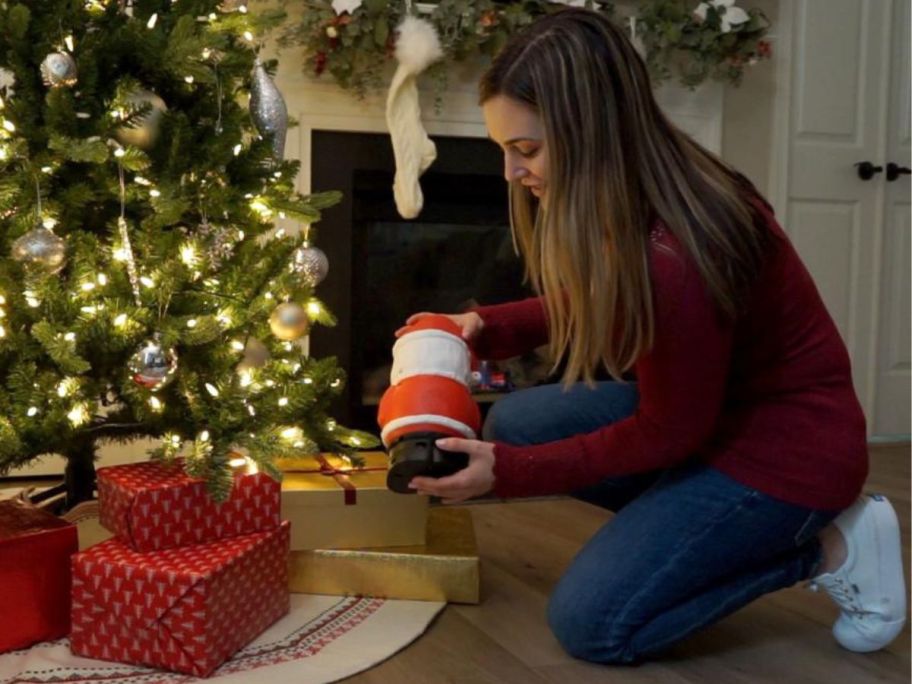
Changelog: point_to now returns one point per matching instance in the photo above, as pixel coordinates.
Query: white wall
(748, 114)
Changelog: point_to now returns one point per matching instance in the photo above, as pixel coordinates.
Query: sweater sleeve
(511, 329)
(682, 381)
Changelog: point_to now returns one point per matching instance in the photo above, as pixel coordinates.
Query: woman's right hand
(470, 323)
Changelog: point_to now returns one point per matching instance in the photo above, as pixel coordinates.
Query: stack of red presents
(186, 582)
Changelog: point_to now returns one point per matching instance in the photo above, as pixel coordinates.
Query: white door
(849, 104)
(891, 400)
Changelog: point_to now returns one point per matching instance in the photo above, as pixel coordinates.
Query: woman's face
(518, 130)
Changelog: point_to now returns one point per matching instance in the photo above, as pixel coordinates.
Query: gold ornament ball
(144, 134)
(58, 69)
(153, 366)
(41, 248)
(289, 321)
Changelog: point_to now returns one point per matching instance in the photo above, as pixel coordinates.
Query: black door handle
(866, 170)
(894, 171)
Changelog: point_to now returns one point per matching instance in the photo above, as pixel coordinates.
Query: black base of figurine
(416, 454)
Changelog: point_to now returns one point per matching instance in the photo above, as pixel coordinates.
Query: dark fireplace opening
(457, 253)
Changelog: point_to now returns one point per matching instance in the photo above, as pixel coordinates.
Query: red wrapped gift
(186, 609)
(154, 505)
(35, 549)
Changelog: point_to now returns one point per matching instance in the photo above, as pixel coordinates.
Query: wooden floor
(525, 546)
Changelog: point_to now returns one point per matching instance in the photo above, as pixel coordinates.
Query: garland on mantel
(354, 40)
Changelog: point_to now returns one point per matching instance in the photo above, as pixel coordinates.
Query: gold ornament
(145, 132)
(289, 321)
(41, 248)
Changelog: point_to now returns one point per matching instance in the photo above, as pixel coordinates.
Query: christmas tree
(141, 174)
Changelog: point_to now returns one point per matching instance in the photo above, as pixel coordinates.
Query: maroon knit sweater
(766, 399)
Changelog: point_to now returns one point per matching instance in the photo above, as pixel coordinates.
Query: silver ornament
(310, 263)
(58, 69)
(42, 249)
(219, 242)
(129, 257)
(268, 110)
(152, 366)
(144, 132)
(289, 321)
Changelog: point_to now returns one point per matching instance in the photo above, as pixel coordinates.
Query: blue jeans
(688, 546)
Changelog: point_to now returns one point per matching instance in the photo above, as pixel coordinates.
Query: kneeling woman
(736, 458)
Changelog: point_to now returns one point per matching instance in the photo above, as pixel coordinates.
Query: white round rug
(323, 639)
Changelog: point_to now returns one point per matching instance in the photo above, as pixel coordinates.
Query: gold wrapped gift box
(334, 506)
(446, 568)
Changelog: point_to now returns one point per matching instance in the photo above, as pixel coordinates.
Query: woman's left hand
(475, 479)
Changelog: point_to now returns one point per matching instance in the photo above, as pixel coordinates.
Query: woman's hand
(470, 323)
(475, 479)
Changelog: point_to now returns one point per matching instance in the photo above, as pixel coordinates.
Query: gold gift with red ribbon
(446, 568)
(334, 505)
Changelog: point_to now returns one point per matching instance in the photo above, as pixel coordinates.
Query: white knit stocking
(417, 47)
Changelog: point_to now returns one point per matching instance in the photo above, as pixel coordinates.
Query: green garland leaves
(357, 48)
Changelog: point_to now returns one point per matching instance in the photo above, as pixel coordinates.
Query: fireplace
(456, 253)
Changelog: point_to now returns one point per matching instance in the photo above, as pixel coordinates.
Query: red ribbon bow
(341, 477)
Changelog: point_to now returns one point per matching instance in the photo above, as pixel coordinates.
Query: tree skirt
(323, 639)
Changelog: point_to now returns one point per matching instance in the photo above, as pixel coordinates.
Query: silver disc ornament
(144, 131)
(58, 70)
(153, 366)
(41, 249)
(288, 321)
(268, 110)
(310, 263)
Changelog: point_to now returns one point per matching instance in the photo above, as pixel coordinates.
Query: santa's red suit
(428, 398)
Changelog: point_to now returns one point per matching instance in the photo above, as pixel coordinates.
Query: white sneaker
(869, 587)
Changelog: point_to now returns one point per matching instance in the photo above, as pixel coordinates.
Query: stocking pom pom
(418, 45)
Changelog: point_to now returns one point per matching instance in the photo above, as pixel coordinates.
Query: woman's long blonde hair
(616, 164)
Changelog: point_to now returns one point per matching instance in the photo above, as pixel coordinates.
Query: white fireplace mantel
(319, 104)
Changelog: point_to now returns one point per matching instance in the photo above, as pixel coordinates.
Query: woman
(741, 440)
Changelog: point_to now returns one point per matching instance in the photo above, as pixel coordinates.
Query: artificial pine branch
(197, 201)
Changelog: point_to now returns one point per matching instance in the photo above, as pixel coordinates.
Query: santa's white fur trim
(427, 418)
(418, 45)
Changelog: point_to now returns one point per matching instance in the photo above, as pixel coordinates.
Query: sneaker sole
(888, 538)
(851, 639)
